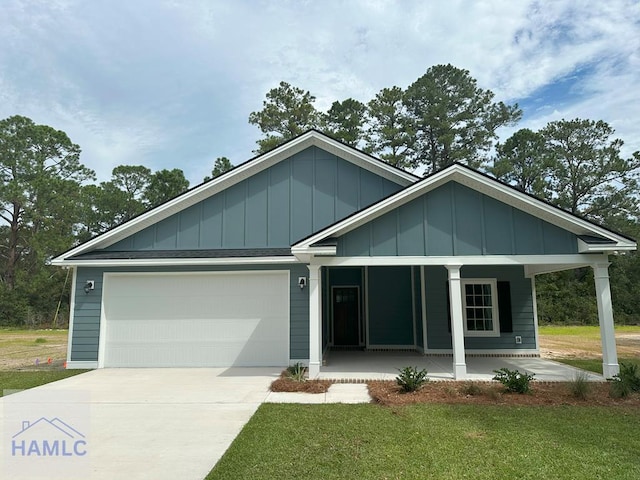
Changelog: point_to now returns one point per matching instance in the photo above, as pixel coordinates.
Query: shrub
(297, 372)
(411, 379)
(580, 386)
(513, 380)
(625, 382)
(472, 389)
(41, 340)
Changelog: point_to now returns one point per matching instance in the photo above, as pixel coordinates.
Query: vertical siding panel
(348, 187)
(145, 239)
(167, 233)
(257, 210)
(233, 217)
(211, 226)
(324, 189)
(411, 228)
(468, 221)
(370, 188)
(498, 227)
(301, 195)
(440, 225)
(189, 228)
(279, 205)
(527, 234)
(384, 235)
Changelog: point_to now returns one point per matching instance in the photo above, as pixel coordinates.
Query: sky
(171, 84)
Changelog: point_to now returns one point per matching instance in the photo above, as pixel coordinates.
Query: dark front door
(346, 316)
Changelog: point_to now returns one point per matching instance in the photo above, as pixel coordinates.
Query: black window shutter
(448, 306)
(504, 307)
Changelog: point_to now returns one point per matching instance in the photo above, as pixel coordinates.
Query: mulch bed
(286, 384)
(492, 393)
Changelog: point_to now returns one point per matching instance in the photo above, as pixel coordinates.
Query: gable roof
(234, 176)
(592, 237)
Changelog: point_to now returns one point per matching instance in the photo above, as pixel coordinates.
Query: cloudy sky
(171, 83)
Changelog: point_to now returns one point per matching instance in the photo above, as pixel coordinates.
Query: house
(316, 245)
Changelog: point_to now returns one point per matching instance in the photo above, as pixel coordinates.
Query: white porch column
(610, 365)
(457, 328)
(315, 320)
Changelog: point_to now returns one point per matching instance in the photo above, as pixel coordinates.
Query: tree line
(49, 200)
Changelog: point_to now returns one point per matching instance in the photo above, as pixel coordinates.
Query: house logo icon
(48, 438)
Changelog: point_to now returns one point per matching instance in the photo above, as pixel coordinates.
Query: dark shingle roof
(217, 253)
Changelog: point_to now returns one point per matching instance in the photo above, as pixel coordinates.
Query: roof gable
(554, 218)
(161, 215)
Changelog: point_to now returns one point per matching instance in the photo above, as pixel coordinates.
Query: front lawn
(434, 441)
(593, 364)
(24, 380)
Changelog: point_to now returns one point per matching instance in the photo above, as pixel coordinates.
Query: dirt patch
(492, 393)
(574, 346)
(285, 384)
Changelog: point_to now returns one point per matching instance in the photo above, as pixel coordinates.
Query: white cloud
(171, 84)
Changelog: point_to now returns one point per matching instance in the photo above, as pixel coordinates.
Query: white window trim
(494, 307)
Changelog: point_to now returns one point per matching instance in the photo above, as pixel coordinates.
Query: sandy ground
(556, 346)
(19, 349)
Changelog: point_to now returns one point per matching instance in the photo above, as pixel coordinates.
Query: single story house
(316, 245)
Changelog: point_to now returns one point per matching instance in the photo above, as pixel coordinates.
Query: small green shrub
(411, 379)
(513, 380)
(625, 382)
(41, 340)
(472, 389)
(580, 386)
(297, 372)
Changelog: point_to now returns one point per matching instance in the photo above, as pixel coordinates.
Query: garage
(195, 319)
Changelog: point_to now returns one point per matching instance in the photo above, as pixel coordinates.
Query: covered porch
(375, 365)
(458, 353)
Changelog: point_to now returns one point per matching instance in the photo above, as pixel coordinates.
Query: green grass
(23, 380)
(585, 331)
(593, 364)
(434, 442)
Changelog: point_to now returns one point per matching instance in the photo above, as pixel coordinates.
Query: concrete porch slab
(370, 365)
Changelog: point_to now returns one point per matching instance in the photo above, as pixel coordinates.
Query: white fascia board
(569, 261)
(242, 172)
(484, 185)
(324, 250)
(157, 262)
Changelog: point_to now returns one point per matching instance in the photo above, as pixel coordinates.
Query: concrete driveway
(129, 423)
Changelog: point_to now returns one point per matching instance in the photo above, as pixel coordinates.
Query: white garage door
(196, 319)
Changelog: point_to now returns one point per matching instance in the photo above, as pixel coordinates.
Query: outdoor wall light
(302, 282)
(89, 285)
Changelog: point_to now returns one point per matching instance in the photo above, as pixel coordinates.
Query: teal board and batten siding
(86, 322)
(522, 316)
(273, 208)
(390, 306)
(456, 220)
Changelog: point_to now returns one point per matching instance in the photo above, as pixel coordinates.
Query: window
(480, 308)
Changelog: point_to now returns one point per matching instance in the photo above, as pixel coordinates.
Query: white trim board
(572, 261)
(143, 262)
(81, 365)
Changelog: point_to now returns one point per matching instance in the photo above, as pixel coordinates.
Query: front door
(346, 316)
